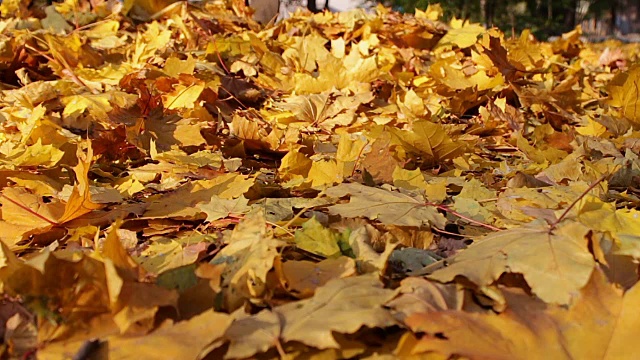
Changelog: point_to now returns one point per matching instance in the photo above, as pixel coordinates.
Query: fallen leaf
(249, 255)
(462, 34)
(249, 335)
(219, 208)
(386, 206)
(342, 305)
(598, 324)
(623, 93)
(302, 278)
(556, 263)
(317, 239)
(189, 339)
(183, 201)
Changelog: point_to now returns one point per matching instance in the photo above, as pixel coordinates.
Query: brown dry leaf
(166, 130)
(556, 263)
(302, 278)
(471, 202)
(599, 324)
(164, 255)
(254, 136)
(295, 165)
(182, 203)
(353, 72)
(362, 244)
(249, 255)
(137, 303)
(379, 161)
(183, 97)
(623, 93)
(498, 54)
(143, 9)
(342, 305)
(429, 140)
(407, 236)
(326, 110)
(24, 214)
(134, 304)
(324, 173)
(388, 207)
(69, 284)
(154, 170)
(79, 202)
(251, 334)
(513, 201)
(419, 295)
(308, 108)
(113, 249)
(512, 116)
(219, 208)
(189, 339)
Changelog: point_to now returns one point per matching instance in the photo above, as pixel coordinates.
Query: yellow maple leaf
(624, 93)
(37, 155)
(598, 325)
(555, 264)
(462, 34)
(79, 203)
(183, 96)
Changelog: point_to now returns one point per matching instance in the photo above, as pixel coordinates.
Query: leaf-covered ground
(333, 186)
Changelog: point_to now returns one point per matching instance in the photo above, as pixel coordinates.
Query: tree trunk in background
(465, 10)
(614, 13)
(570, 15)
(488, 8)
(313, 6)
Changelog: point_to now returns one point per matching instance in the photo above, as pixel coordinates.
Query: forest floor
(345, 185)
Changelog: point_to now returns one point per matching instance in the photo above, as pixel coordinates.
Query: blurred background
(598, 18)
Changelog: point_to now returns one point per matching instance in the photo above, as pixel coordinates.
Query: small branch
(231, 96)
(584, 193)
(75, 15)
(280, 349)
(179, 95)
(297, 216)
(62, 63)
(85, 27)
(487, 200)
(281, 228)
(215, 46)
(355, 165)
(440, 231)
(463, 217)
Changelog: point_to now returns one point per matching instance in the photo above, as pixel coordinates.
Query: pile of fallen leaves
(352, 185)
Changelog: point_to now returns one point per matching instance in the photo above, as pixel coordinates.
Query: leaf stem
(584, 193)
(463, 217)
(23, 207)
(280, 349)
(215, 46)
(440, 231)
(355, 165)
(63, 63)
